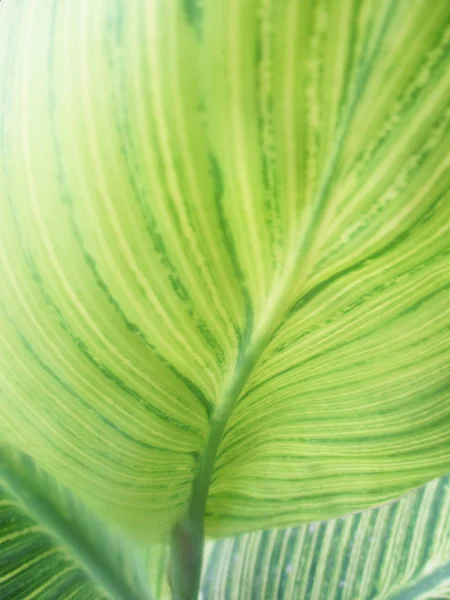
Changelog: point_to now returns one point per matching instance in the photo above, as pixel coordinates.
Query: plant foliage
(224, 249)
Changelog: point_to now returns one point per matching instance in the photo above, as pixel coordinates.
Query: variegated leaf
(224, 252)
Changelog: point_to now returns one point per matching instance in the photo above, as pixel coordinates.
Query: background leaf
(51, 546)
(400, 551)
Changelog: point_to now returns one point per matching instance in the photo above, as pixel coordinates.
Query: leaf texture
(400, 551)
(52, 546)
(395, 552)
(226, 213)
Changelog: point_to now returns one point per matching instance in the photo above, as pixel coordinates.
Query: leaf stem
(187, 541)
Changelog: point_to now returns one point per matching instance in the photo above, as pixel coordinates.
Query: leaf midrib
(281, 301)
(79, 548)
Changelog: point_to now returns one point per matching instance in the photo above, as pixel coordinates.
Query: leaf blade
(400, 550)
(212, 201)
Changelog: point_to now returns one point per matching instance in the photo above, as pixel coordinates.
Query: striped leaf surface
(32, 564)
(53, 547)
(224, 246)
(400, 551)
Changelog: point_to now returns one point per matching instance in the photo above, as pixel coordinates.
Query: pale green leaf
(225, 231)
(400, 551)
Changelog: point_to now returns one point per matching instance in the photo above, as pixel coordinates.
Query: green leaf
(400, 551)
(224, 255)
(51, 546)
